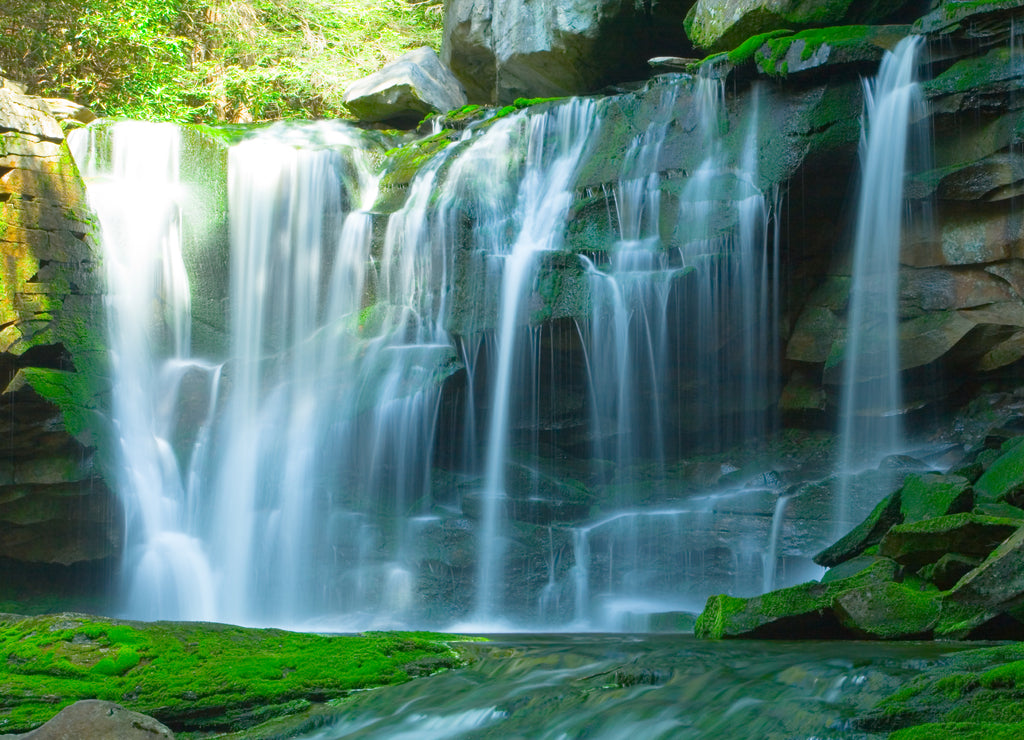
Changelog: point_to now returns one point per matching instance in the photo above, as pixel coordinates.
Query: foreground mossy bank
(196, 677)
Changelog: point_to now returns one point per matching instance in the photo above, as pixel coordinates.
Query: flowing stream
(611, 687)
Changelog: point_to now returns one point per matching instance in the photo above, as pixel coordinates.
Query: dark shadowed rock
(413, 86)
(504, 50)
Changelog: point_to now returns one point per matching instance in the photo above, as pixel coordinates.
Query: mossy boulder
(1004, 479)
(993, 589)
(866, 534)
(720, 25)
(804, 611)
(949, 569)
(918, 544)
(193, 676)
(888, 611)
(931, 494)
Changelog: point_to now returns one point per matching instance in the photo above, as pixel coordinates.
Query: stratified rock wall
(55, 510)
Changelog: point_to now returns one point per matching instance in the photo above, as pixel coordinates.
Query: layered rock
(55, 509)
(961, 280)
(505, 50)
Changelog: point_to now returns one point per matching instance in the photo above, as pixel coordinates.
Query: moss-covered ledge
(198, 677)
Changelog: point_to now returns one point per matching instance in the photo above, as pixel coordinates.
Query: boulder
(887, 611)
(866, 534)
(931, 495)
(413, 86)
(949, 569)
(989, 597)
(505, 50)
(1004, 479)
(916, 545)
(719, 25)
(91, 719)
(804, 611)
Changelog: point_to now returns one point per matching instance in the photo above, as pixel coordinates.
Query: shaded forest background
(208, 60)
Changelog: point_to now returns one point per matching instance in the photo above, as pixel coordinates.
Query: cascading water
(323, 475)
(871, 403)
(720, 278)
(555, 144)
(135, 190)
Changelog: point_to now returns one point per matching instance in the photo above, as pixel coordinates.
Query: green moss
(961, 731)
(711, 623)
(770, 54)
(1005, 475)
(195, 676)
(745, 51)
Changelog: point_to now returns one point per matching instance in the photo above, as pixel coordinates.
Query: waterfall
(871, 403)
(135, 190)
(397, 412)
(555, 144)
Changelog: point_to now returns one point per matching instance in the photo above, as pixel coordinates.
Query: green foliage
(192, 60)
(191, 676)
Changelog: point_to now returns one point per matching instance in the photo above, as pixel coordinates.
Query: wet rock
(916, 545)
(91, 719)
(413, 86)
(990, 594)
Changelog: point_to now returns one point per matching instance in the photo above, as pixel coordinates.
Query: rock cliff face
(961, 280)
(58, 517)
(538, 48)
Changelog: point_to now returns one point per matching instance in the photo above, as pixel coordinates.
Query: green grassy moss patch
(195, 676)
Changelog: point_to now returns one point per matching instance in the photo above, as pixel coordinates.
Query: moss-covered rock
(1004, 479)
(888, 611)
(805, 610)
(193, 676)
(918, 544)
(54, 376)
(866, 534)
(719, 25)
(930, 495)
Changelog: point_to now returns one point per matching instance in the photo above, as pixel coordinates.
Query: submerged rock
(411, 87)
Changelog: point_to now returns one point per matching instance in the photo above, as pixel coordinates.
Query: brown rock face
(100, 720)
(54, 507)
